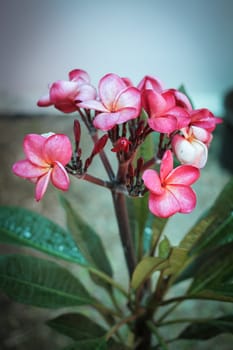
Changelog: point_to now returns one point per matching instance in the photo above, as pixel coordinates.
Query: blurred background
(181, 42)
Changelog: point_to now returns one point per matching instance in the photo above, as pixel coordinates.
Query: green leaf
(40, 282)
(77, 326)
(213, 271)
(204, 330)
(23, 227)
(145, 268)
(87, 239)
(164, 248)
(88, 344)
(177, 259)
(216, 226)
(96, 344)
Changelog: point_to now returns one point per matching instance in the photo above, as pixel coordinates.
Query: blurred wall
(180, 41)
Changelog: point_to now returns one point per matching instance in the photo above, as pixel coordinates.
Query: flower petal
(106, 121)
(33, 145)
(79, 76)
(41, 185)
(109, 88)
(185, 196)
(59, 177)
(27, 170)
(183, 175)
(166, 165)
(165, 124)
(126, 114)
(164, 205)
(57, 147)
(152, 181)
(44, 101)
(130, 97)
(92, 104)
(63, 91)
(86, 92)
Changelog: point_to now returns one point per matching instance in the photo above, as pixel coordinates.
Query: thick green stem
(119, 202)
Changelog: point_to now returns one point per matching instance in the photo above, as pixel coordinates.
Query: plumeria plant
(160, 143)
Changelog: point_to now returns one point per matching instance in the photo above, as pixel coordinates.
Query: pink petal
(79, 76)
(150, 83)
(63, 90)
(92, 104)
(200, 133)
(86, 92)
(168, 96)
(185, 196)
(59, 177)
(57, 148)
(152, 181)
(130, 97)
(106, 121)
(41, 185)
(126, 114)
(109, 88)
(165, 124)
(183, 175)
(182, 116)
(33, 145)
(27, 170)
(66, 106)
(166, 165)
(182, 100)
(157, 104)
(164, 205)
(44, 101)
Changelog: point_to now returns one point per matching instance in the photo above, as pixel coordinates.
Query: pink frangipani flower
(166, 114)
(119, 102)
(46, 157)
(150, 83)
(64, 94)
(170, 191)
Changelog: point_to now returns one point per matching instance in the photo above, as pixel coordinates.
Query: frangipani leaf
(164, 248)
(77, 326)
(87, 239)
(213, 271)
(24, 227)
(40, 282)
(145, 268)
(208, 329)
(215, 227)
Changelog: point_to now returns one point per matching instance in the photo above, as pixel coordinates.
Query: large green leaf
(24, 227)
(145, 268)
(215, 227)
(87, 239)
(88, 344)
(213, 272)
(77, 326)
(40, 282)
(203, 330)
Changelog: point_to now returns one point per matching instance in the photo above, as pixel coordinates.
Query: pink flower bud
(122, 144)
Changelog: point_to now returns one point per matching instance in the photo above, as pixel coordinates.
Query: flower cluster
(127, 115)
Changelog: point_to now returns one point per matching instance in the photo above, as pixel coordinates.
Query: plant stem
(160, 339)
(119, 202)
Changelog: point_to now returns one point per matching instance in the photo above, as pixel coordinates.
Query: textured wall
(180, 41)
